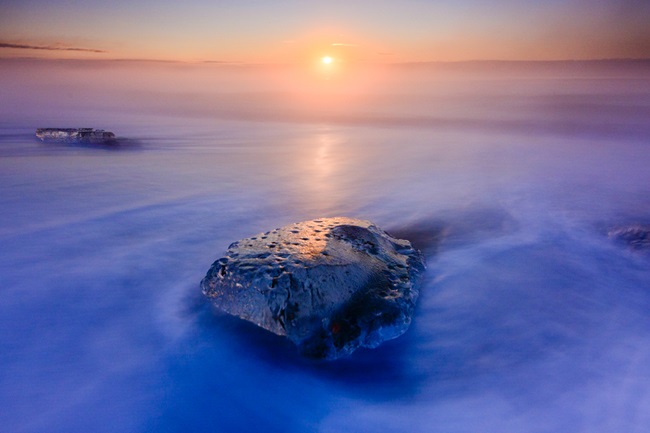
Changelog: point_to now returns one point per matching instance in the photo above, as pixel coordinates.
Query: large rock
(329, 285)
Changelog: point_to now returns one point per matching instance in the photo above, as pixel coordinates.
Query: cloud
(338, 44)
(48, 48)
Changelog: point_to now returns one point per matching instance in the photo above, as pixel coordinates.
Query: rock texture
(76, 135)
(330, 285)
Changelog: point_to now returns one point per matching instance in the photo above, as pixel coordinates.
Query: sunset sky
(289, 31)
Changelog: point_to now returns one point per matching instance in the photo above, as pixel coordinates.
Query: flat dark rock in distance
(329, 285)
(76, 135)
(636, 237)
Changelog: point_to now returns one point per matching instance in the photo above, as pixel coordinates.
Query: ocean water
(509, 179)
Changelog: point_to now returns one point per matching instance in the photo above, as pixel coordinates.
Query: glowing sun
(327, 60)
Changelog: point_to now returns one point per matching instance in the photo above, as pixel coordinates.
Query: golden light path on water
(321, 182)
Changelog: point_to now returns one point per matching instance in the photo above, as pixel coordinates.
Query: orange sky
(289, 31)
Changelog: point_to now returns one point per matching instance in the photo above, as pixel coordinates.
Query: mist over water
(508, 177)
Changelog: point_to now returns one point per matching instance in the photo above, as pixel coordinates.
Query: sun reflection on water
(322, 177)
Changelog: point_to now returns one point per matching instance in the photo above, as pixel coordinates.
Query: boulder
(330, 285)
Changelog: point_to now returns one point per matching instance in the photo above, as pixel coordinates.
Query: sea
(512, 178)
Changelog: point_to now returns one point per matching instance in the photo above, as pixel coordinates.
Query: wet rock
(329, 285)
(636, 237)
(75, 135)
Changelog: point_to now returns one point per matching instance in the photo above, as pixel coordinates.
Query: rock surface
(76, 135)
(329, 285)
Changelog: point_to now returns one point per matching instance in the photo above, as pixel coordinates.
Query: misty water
(530, 319)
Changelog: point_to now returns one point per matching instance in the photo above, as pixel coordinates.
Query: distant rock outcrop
(636, 237)
(76, 135)
(329, 285)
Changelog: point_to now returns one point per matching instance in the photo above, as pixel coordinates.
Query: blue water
(530, 318)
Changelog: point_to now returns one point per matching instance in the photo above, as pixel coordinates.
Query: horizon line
(402, 63)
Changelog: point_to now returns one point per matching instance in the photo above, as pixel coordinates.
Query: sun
(327, 60)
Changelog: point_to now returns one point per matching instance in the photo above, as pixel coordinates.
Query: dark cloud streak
(48, 48)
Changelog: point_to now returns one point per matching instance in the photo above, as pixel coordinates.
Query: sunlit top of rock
(330, 285)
